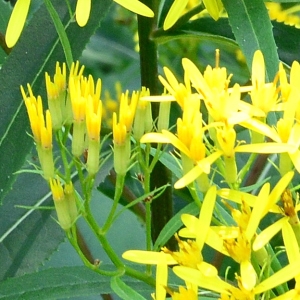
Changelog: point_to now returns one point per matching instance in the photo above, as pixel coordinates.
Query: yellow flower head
(184, 294)
(93, 118)
(188, 255)
(119, 131)
(41, 128)
(127, 109)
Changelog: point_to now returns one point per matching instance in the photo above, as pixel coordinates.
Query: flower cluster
(75, 110)
(208, 148)
(206, 144)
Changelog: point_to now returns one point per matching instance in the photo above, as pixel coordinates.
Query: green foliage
(30, 238)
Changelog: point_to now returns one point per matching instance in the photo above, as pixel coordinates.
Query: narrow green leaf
(65, 282)
(61, 32)
(252, 29)
(123, 290)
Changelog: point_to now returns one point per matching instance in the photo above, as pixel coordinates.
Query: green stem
(247, 167)
(118, 193)
(60, 141)
(121, 268)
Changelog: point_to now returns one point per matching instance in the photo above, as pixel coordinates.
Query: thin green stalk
(118, 193)
(247, 166)
(60, 141)
(87, 263)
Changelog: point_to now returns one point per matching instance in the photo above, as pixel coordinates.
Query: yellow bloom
(184, 294)
(263, 96)
(127, 109)
(56, 92)
(237, 293)
(16, 22)
(189, 142)
(223, 104)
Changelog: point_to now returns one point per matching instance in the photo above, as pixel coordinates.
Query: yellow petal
(258, 69)
(196, 77)
(83, 8)
(207, 269)
(136, 7)
(290, 242)
(205, 216)
(161, 281)
(191, 222)
(214, 240)
(262, 128)
(188, 178)
(174, 13)
(284, 275)
(194, 276)
(214, 8)
(265, 236)
(148, 257)
(257, 212)
(186, 233)
(16, 22)
(154, 137)
(248, 275)
(265, 148)
(237, 196)
(295, 158)
(197, 170)
(278, 190)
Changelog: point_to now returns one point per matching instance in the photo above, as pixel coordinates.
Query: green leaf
(36, 52)
(65, 282)
(27, 237)
(61, 32)
(174, 225)
(252, 29)
(123, 290)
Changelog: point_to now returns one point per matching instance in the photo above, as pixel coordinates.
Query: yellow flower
(263, 96)
(189, 142)
(184, 294)
(223, 104)
(16, 22)
(214, 283)
(56, 92)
